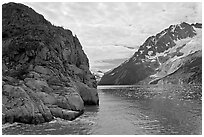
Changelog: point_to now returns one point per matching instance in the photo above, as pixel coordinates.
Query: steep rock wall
(42, 66)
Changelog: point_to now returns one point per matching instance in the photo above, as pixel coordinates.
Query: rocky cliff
(45, 71)
(172, 56)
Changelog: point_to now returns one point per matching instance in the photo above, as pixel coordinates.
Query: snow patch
(163, 33)
(152, 57)
(148, 47)
(112, 74)
(159, 54)
(175, 65)
(194, 45)
(141, 51)
(167, 44)
(153, 60)
(173, 28)
(179, 25)
(143, 60)
(153, 76)
(175, 58)
(150, 53)
(194, 29)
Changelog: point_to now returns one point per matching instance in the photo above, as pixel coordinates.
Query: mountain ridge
(150, 55)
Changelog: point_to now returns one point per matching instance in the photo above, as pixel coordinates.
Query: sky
(111, 32)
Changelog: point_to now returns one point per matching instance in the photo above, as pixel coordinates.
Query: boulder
(70, 115)
(64, 113)
(89, 95)
(62, 102)
(56, 112)
(27, 103)
(21, 104)
(70, 102)
(75, 101)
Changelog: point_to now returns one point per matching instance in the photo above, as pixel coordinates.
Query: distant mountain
(172, 56)
(98, 75)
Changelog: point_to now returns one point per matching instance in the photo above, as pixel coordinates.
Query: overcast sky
(107, 31)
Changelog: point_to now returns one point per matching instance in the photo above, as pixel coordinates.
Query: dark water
(130, 110)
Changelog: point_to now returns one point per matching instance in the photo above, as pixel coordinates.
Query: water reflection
(92, 109)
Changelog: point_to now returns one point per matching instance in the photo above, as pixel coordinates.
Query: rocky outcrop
(41, 66)
(89, 95)
(160, 56)
(21, 104)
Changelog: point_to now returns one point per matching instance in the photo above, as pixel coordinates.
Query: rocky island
(45, 72)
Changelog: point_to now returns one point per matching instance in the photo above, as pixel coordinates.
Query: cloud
(99, 53)
(107, 64)
(101, 27)
(125, 46)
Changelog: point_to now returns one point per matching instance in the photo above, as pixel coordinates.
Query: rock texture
(45, 71)
(171, 56)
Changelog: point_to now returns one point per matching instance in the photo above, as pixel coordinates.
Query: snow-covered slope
(159, 56)
(176, 54)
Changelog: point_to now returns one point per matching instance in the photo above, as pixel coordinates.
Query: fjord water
(130, 110)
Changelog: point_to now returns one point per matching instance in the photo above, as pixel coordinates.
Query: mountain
(98, 75)
(45, 72)
(172, 56)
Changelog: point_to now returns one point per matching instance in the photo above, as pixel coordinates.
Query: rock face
(172, 56)
(41, 65)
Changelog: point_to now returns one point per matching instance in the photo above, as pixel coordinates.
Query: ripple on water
(7, 125)
(126, 111)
